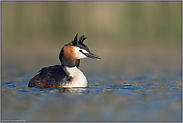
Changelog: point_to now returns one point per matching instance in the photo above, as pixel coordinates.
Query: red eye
(80, 50)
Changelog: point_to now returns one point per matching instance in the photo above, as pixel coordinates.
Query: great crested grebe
(67, 74)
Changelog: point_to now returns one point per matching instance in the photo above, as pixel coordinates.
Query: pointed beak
(91, 55)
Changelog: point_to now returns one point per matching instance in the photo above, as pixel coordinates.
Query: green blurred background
(34, 32)
(112, 22)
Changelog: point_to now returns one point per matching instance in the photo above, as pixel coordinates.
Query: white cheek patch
(78, 54)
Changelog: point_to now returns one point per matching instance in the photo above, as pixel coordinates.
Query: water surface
(133, 87)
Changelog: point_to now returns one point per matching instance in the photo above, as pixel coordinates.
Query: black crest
(81, 39)
(75, 42)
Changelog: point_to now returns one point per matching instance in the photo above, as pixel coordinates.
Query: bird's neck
(65, 61)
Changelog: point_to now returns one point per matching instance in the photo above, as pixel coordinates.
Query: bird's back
(53, 76)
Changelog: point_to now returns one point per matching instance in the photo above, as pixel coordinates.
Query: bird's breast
(78, 78)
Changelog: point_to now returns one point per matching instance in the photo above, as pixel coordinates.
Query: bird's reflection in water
(75, 90)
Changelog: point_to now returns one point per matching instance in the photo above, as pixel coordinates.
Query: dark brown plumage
(53, 76)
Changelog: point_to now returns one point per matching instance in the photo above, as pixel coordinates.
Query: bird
(68, 73)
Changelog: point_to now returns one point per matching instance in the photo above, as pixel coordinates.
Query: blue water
(111, 96)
